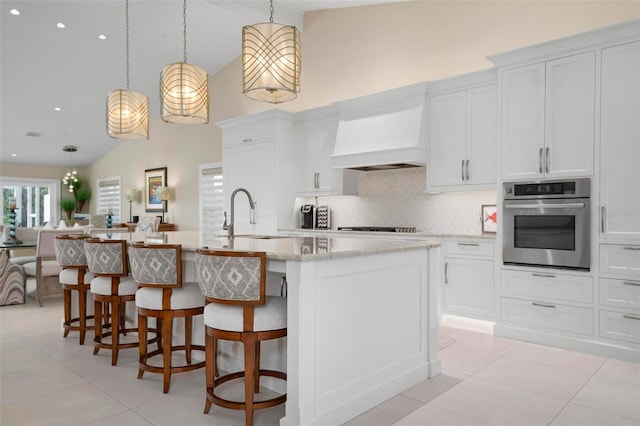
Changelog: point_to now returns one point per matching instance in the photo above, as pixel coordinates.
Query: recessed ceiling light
(102, 37)
(14, 12)
(57, 109)
(14, 155)
(60, 25)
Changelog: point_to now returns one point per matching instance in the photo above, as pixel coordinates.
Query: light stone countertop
(399, 235)
(279, 247)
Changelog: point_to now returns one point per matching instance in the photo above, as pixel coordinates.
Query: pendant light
(184, 89)
(271, 61)
(127, 111)
(71, 176)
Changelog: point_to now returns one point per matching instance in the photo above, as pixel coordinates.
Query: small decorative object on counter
(12, 240)
(109, 220)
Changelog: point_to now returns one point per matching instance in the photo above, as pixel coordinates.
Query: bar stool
(237, 309)
(75, 276)
(163, 295)
(112, 287)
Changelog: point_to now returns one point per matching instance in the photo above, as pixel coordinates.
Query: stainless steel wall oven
(547, 224)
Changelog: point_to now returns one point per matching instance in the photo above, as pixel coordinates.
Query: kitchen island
(361, 319)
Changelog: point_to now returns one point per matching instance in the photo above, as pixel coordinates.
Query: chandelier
(184, 89)
(127, 111)
(71, 176)
(271, 61)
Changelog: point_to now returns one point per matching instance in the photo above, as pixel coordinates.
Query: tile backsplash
(398, 198)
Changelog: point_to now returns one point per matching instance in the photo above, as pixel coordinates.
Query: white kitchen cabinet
(468, 279)
(548, 118)
(315, 137)
(463, 136)
(258, 155)
(620, 142)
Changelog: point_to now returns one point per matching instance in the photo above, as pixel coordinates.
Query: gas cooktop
(377, 228)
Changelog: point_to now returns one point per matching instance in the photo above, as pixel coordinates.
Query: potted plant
(82, 196)
(68, 205)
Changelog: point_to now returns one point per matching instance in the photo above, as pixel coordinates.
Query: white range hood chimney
(382, 131)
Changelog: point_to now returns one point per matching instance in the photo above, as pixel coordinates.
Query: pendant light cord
(127, 38)
(271, 11)
(184, 34)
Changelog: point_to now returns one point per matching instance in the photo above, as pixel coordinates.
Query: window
(38, 200)
(211, 200)
(109, 197)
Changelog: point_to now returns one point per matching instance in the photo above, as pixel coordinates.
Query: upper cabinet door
(620, 141)
(447, 139)
(523, 122)
(570, 115)
(306, 156)
(482, 135)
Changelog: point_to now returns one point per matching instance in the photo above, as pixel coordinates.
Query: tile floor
(486, 380)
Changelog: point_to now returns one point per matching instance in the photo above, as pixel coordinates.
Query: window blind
(211, 200)
(109, 197)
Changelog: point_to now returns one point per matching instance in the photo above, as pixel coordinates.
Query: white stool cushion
(49, 268)
(70, 276)
(102, 285)
(270, 316)
(187, 297)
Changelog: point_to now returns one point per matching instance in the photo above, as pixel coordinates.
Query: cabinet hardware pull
(467, 170)
(284, 287)
(462, 170)
(543, 275)
(543, 305)
(246, 140)
(545, 206)
(546, 163)
(469, 244)
(317, 180)
(446, 277)
(630, 283)
(631, 248)
(602, 212)
(540, 161)
(633, 317)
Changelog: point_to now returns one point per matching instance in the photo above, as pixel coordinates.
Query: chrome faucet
(229, 226)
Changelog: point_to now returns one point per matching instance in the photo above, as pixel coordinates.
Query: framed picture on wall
(154, 178)
(489, 219)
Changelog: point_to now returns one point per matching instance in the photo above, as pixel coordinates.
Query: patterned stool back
(107, 257)
(232, 277)
(69, 250)
(156, 265)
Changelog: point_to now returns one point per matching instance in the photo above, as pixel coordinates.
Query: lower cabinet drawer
(547, 286)
(538, 315)
(473, 248)
(620, 259)
(620, 326)
(620, 293)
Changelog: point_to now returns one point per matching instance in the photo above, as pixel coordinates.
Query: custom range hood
(383, 131)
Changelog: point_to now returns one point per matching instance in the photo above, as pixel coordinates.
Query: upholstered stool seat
(74, 277)
(234, 284)
(157, 268)
(112, 288)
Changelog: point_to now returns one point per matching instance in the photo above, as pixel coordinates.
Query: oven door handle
(545, 206)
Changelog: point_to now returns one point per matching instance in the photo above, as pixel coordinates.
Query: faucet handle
(225, 227)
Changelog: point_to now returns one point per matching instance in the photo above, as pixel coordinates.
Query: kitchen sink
(261, 237)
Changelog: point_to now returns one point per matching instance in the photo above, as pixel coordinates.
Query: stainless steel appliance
(307, 216)
(377, 228)
(547, 223)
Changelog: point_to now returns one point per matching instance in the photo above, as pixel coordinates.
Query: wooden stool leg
(142, 334)
(249, 341)
(256, 374)
(215, 354)
(187, 338)
(115, 331)
(97, 308)
(167, 329)
(67, 311)
(82, 311)
(210, 367)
